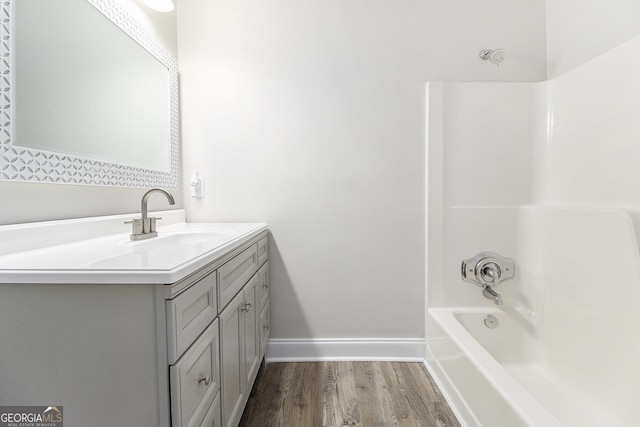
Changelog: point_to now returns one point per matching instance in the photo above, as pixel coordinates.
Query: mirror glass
(94, 98)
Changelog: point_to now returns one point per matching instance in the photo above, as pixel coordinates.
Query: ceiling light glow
(160, 5)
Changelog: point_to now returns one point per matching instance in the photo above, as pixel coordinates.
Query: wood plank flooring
(331, 394)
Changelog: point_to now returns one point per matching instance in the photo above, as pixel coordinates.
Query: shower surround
(545, 173)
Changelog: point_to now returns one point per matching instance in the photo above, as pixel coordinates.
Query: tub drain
(491, 322)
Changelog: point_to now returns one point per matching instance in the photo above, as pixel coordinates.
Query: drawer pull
(205, 378)
(247, 306)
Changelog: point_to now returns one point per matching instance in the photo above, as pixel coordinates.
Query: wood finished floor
(331, 394)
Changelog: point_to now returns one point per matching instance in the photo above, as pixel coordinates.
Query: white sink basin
(182, 238)
(179, 249)
(168, 249)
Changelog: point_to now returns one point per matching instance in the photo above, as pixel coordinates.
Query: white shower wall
(562, 201)
(593, 149)
(484, 157)
(491, 154)
(570, 141)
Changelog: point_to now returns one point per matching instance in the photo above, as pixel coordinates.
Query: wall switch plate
(197, 185)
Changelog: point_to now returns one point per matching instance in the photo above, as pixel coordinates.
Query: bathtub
(498, 377)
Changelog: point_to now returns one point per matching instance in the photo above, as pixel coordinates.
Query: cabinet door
(232, 360)
(263, 284)
(251, 332)
(265, 327)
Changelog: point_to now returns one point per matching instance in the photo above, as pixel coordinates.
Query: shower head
(495, 56)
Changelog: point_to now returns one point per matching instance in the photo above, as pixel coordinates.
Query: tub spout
(489, 293)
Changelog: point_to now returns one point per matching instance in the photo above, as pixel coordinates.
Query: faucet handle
(152, 224)
(137, 225)
(487, 269)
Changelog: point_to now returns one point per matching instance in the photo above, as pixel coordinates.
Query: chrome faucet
(489, 293)
(145, 227)
(487, 269)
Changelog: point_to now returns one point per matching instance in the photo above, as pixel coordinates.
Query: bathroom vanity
(165, 332)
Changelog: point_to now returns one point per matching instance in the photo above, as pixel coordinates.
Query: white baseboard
(311, 350)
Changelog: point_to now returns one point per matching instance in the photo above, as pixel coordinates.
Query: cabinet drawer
(189, 314)
(212, 419)
(263, 250)
(265, 329)
(233, 275)
(263, 284)
(195, 380)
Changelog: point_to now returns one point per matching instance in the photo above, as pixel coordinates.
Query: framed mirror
(87, 97)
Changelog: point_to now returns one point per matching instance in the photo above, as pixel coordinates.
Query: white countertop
(180, 249)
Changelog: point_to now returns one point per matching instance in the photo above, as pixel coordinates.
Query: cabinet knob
(205, 378)
(247, 306)
(266, 285)
(266, 326)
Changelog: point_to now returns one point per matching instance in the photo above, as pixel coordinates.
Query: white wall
(310, 116)
(28, 202)
(579, 30)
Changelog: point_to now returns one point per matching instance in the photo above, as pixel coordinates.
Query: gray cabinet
(263, 284)
(234, 274)
(213, 376)
(240, 346)
(231, 357)
(180, 354)
(212, 418)
(251, 336)
(264, 325)
(264, 328)
(189, 314)
(195, 380)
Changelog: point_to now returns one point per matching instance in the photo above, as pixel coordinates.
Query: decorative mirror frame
(25, 164)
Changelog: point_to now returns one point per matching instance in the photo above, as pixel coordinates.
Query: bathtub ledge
(531, 411)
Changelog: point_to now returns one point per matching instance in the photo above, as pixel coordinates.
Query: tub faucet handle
(487, 269)
(490, 273)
